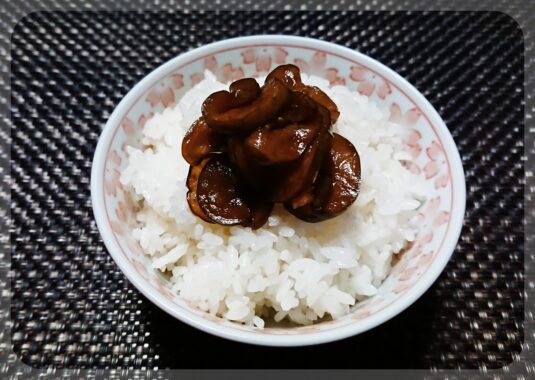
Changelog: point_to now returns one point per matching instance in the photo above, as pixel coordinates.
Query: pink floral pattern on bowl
(425, 144)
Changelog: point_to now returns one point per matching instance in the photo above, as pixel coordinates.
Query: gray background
(11, 14)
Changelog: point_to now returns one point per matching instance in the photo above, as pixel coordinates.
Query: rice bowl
(431, 210)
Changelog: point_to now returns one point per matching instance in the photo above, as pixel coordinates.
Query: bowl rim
(197, 321)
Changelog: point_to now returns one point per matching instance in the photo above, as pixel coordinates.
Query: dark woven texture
(71, 305)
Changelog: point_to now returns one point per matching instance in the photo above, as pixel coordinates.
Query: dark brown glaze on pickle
(337, 186)
(227, 114)
(291, 77)
(252, 171)
(343, 170)
(260, 212)
(244, 91)
(200, 141)
(295, 178)
(217, 194)
(300, 108)
(269, 145)
(220, 195)
(191, 183)
(255, 146)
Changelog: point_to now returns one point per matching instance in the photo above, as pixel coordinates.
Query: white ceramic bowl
(435, 155)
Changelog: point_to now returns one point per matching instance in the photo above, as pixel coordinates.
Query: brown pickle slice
(219, 193)
(308, 213)
(288, 74)
(260, 211)
(244, 91)
(291, 77)
(337, 186)
(252, 172)
(200, 141)
(304, 198)
(323, 99)
(271, 146)
(191, 183)
(222, 113)
(260, 208)
(294, 178)
(343, 167)
(299, 109)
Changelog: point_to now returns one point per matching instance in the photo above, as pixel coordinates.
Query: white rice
(288, 268)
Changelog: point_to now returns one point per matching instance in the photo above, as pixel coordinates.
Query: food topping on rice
(255, 146)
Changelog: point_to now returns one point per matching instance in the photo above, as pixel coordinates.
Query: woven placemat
(73, 308)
